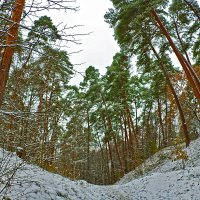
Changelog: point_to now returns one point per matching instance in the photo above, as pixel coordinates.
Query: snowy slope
(167, 181)
(161, 162)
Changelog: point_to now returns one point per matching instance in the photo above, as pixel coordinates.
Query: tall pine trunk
(11, 40)
(181, 113)
(188, 74)
(187, 60)
(161, 122)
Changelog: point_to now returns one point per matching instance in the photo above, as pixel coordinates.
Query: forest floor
(158, 178)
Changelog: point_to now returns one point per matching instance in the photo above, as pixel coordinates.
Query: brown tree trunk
(161, 122)
(116, 148)
(110, 128)
(126, 142)
(135, 141)
(39, 122)
(184, 125)
(187, 60)
(44, 139)
(178, 55)
(112, 167)
(105, 170)
(52, 143)
(11, 40)
(130, 135)
(124, 147)
(136, 119)
(181, 42)
(166, 119)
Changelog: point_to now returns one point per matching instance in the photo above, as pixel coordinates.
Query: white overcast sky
(99, 47)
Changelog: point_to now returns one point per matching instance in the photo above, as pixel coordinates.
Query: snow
(164, 179)
(161, 162)
(1, 153)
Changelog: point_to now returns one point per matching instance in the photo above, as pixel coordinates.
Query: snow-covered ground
(157, 178)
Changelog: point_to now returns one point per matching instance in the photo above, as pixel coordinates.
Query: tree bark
(187, 60)
(161, 122)
(178, 55)
(11, 40)
(184, 125)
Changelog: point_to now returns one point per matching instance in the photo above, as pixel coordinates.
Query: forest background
(108, 124)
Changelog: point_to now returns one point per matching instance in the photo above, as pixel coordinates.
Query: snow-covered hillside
(161, 162)
(157, 178)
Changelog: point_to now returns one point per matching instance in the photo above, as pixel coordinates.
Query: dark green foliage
(44, 29)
